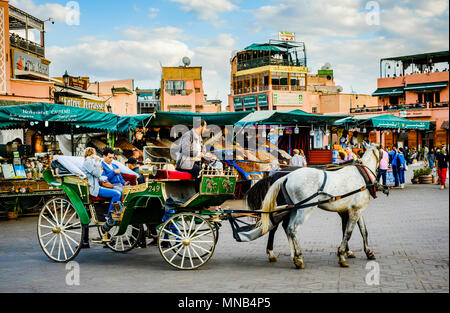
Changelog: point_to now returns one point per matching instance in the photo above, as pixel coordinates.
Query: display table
(36, 193)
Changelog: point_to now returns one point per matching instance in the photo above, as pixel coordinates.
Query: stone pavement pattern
(409, 232)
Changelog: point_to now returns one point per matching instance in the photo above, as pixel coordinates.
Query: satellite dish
(327, 66)
(339, 88)
(186, 61)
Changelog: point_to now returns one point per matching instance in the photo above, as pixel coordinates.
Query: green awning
(186, 118)
(392, 91)
(288, 118)
(383, 121)
(262, 47)
(426, 86)
(62, 115)
(127, 122)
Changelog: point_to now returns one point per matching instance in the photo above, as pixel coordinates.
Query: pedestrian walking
(431, 158)
(442, 159)
(384, 164)
(393, 156)
(402, 167)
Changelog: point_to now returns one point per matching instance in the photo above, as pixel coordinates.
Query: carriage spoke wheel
(59, 230)
(126, 242)
(187, 241)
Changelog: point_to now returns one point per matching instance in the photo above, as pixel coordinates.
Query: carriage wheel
(59, 230)
(126, 242)
(187, 241)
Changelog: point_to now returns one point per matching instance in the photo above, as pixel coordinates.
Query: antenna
(186, 61)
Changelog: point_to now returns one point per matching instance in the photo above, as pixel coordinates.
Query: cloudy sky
(115, 39)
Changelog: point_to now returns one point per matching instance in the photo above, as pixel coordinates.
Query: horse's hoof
(371, 255)
(272, 259)
(299, 264)
(350, 255)
(343, 263)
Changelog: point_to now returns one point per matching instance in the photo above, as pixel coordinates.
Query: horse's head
(373, 152)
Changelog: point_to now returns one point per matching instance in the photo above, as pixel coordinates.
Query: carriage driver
(192, 150)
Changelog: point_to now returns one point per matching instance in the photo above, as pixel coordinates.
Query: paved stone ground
(409, 232)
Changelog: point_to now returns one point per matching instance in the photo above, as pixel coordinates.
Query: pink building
(415, 87)
(24, 70)
(119, 95)
(182, 90)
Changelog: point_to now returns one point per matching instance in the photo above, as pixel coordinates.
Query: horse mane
(256, 194)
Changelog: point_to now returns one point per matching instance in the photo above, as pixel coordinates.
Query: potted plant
(415, 179)
(426, 177)
(15, 209)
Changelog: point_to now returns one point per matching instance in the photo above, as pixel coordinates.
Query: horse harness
(370, 185)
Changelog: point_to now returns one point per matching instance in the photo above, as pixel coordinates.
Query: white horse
(305, 182)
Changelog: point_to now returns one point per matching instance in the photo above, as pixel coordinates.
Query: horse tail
(256, 193)
(269, 203)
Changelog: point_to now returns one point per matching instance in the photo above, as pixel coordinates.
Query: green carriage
(186, 226)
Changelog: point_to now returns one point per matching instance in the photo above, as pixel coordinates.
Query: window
(176, 87)
(314, 110)
(280, 81)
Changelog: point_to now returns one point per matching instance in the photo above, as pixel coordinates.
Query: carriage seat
(98, 199)
(165, 174)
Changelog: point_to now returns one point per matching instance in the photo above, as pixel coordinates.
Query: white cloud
(109, 60)
(43, 11)
(168, 32)
(338, 33)
(207, 10)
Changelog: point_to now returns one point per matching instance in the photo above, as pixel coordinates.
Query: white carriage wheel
(59, 230)
(125, 242)
(187, 241)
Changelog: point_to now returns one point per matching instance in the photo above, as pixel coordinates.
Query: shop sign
(237, 101)
(286, 36)
(250, 101)
(287, 99)
(25, 64)
(325, 72)
(83, 103)
(78, 82)
(262, 100)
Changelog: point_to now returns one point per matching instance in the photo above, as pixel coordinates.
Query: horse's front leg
(365, 235)
(354, 215)
(344, 220)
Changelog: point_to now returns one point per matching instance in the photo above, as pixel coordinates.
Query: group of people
(399, 159)
(438, 158)
(106, 181)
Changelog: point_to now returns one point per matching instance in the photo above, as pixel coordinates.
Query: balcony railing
(284, 88)
(396, 107)
(26, 45)
(259, 62)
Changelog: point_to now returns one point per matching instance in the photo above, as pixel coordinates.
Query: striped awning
(426, 86)
(391, 91)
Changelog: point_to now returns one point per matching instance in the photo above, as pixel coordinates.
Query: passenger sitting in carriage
(93, 169)
(111, 172)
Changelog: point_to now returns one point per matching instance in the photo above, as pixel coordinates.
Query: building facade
(119, 95)
(148, 100)
(415, 87)
(24, 70)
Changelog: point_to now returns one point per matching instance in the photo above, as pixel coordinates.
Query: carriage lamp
(296, 130)
(311, 133)
(32, 123)
(364, 130)
(46, 123)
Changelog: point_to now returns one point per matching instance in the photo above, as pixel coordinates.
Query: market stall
(22, 187)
